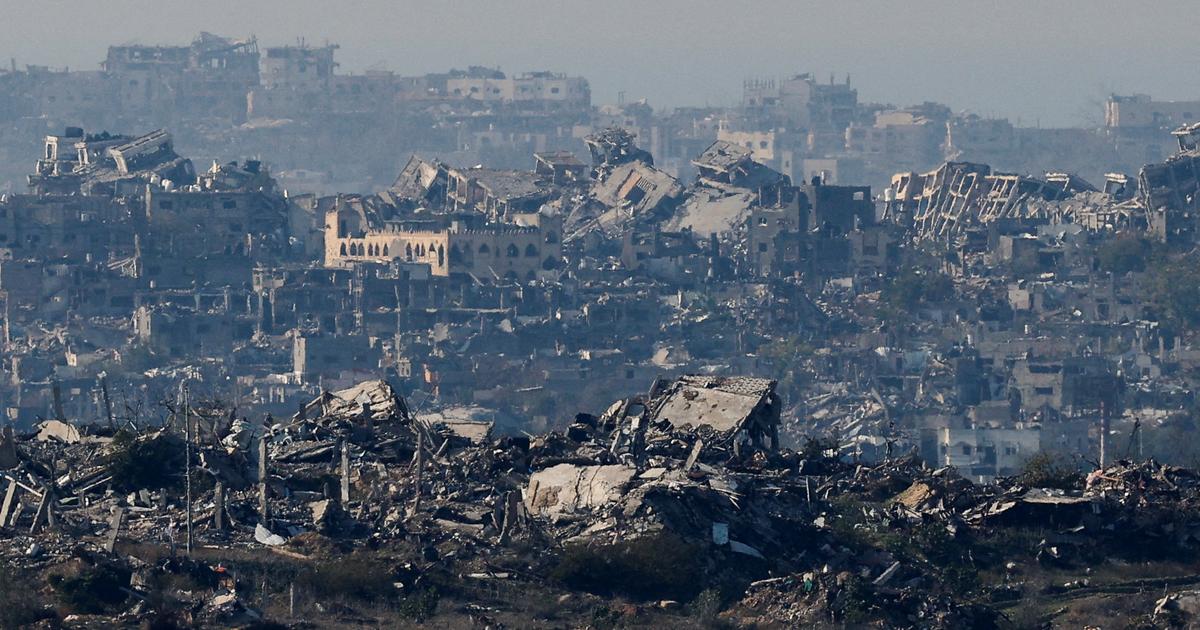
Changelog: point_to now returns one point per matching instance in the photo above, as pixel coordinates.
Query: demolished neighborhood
(284, 345)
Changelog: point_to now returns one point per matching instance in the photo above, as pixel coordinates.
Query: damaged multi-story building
(524, 242)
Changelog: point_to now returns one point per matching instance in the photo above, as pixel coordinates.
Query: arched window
(551, 237)
(343, 249)
(550, 263)
(441, 250)
(484, 249)
(385, 249)
(408, 253)
(513, 251)
(531, 251)
(455, 255)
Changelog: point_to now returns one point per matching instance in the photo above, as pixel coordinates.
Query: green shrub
(819, 448)
(1174, 294)
(655, 567)
(1125, 253)
(706, 609)
(858, 601)
(912, 287)
(92, 591)
(351, 577)
(1049, 470)
(153, 462)
(20, 604)
(419, 606)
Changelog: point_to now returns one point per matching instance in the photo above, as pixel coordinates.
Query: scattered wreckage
(945, 203)
(696, 459)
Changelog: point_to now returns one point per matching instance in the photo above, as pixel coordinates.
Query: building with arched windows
(515, 251)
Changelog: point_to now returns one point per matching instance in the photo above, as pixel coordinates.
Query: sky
(1039, 62)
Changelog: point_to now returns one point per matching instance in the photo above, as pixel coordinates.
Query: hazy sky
(1037, 60)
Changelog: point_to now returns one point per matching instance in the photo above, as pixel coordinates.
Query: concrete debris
(612, 147)
(568, 489)
(832, 362)
(943, 203)
(264, 536)
(692, 459)
(58, 430)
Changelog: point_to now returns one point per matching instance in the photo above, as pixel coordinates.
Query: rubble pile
(1140, 484)
(411, 392)
(807, 536)
(841, 599)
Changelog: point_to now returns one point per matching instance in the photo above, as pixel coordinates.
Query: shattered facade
(418, 326)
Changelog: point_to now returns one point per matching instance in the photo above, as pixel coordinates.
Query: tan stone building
(1139, 110)
(516, 250)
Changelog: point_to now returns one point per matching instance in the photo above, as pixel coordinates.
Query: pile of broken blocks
(696, 458)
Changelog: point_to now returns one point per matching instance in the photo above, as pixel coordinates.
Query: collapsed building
(970, 319)
(1169, 190)
(625, 190)
(612, 147)
(960, 196)
(688, 468)
(103, 164)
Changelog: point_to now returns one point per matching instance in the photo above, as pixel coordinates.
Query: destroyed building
(1169, 190)
(417, 358)
(612, 147)
(689, 468)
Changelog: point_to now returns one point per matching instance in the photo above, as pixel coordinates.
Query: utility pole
(356, 290)
(399, 313)
(345, 485)
(1141, 455)
(187, 432)
(419, 463)
(58, 406)
(262, 479)
(219, 506)
(107, 400)
(7, 330)
(1103, 434)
